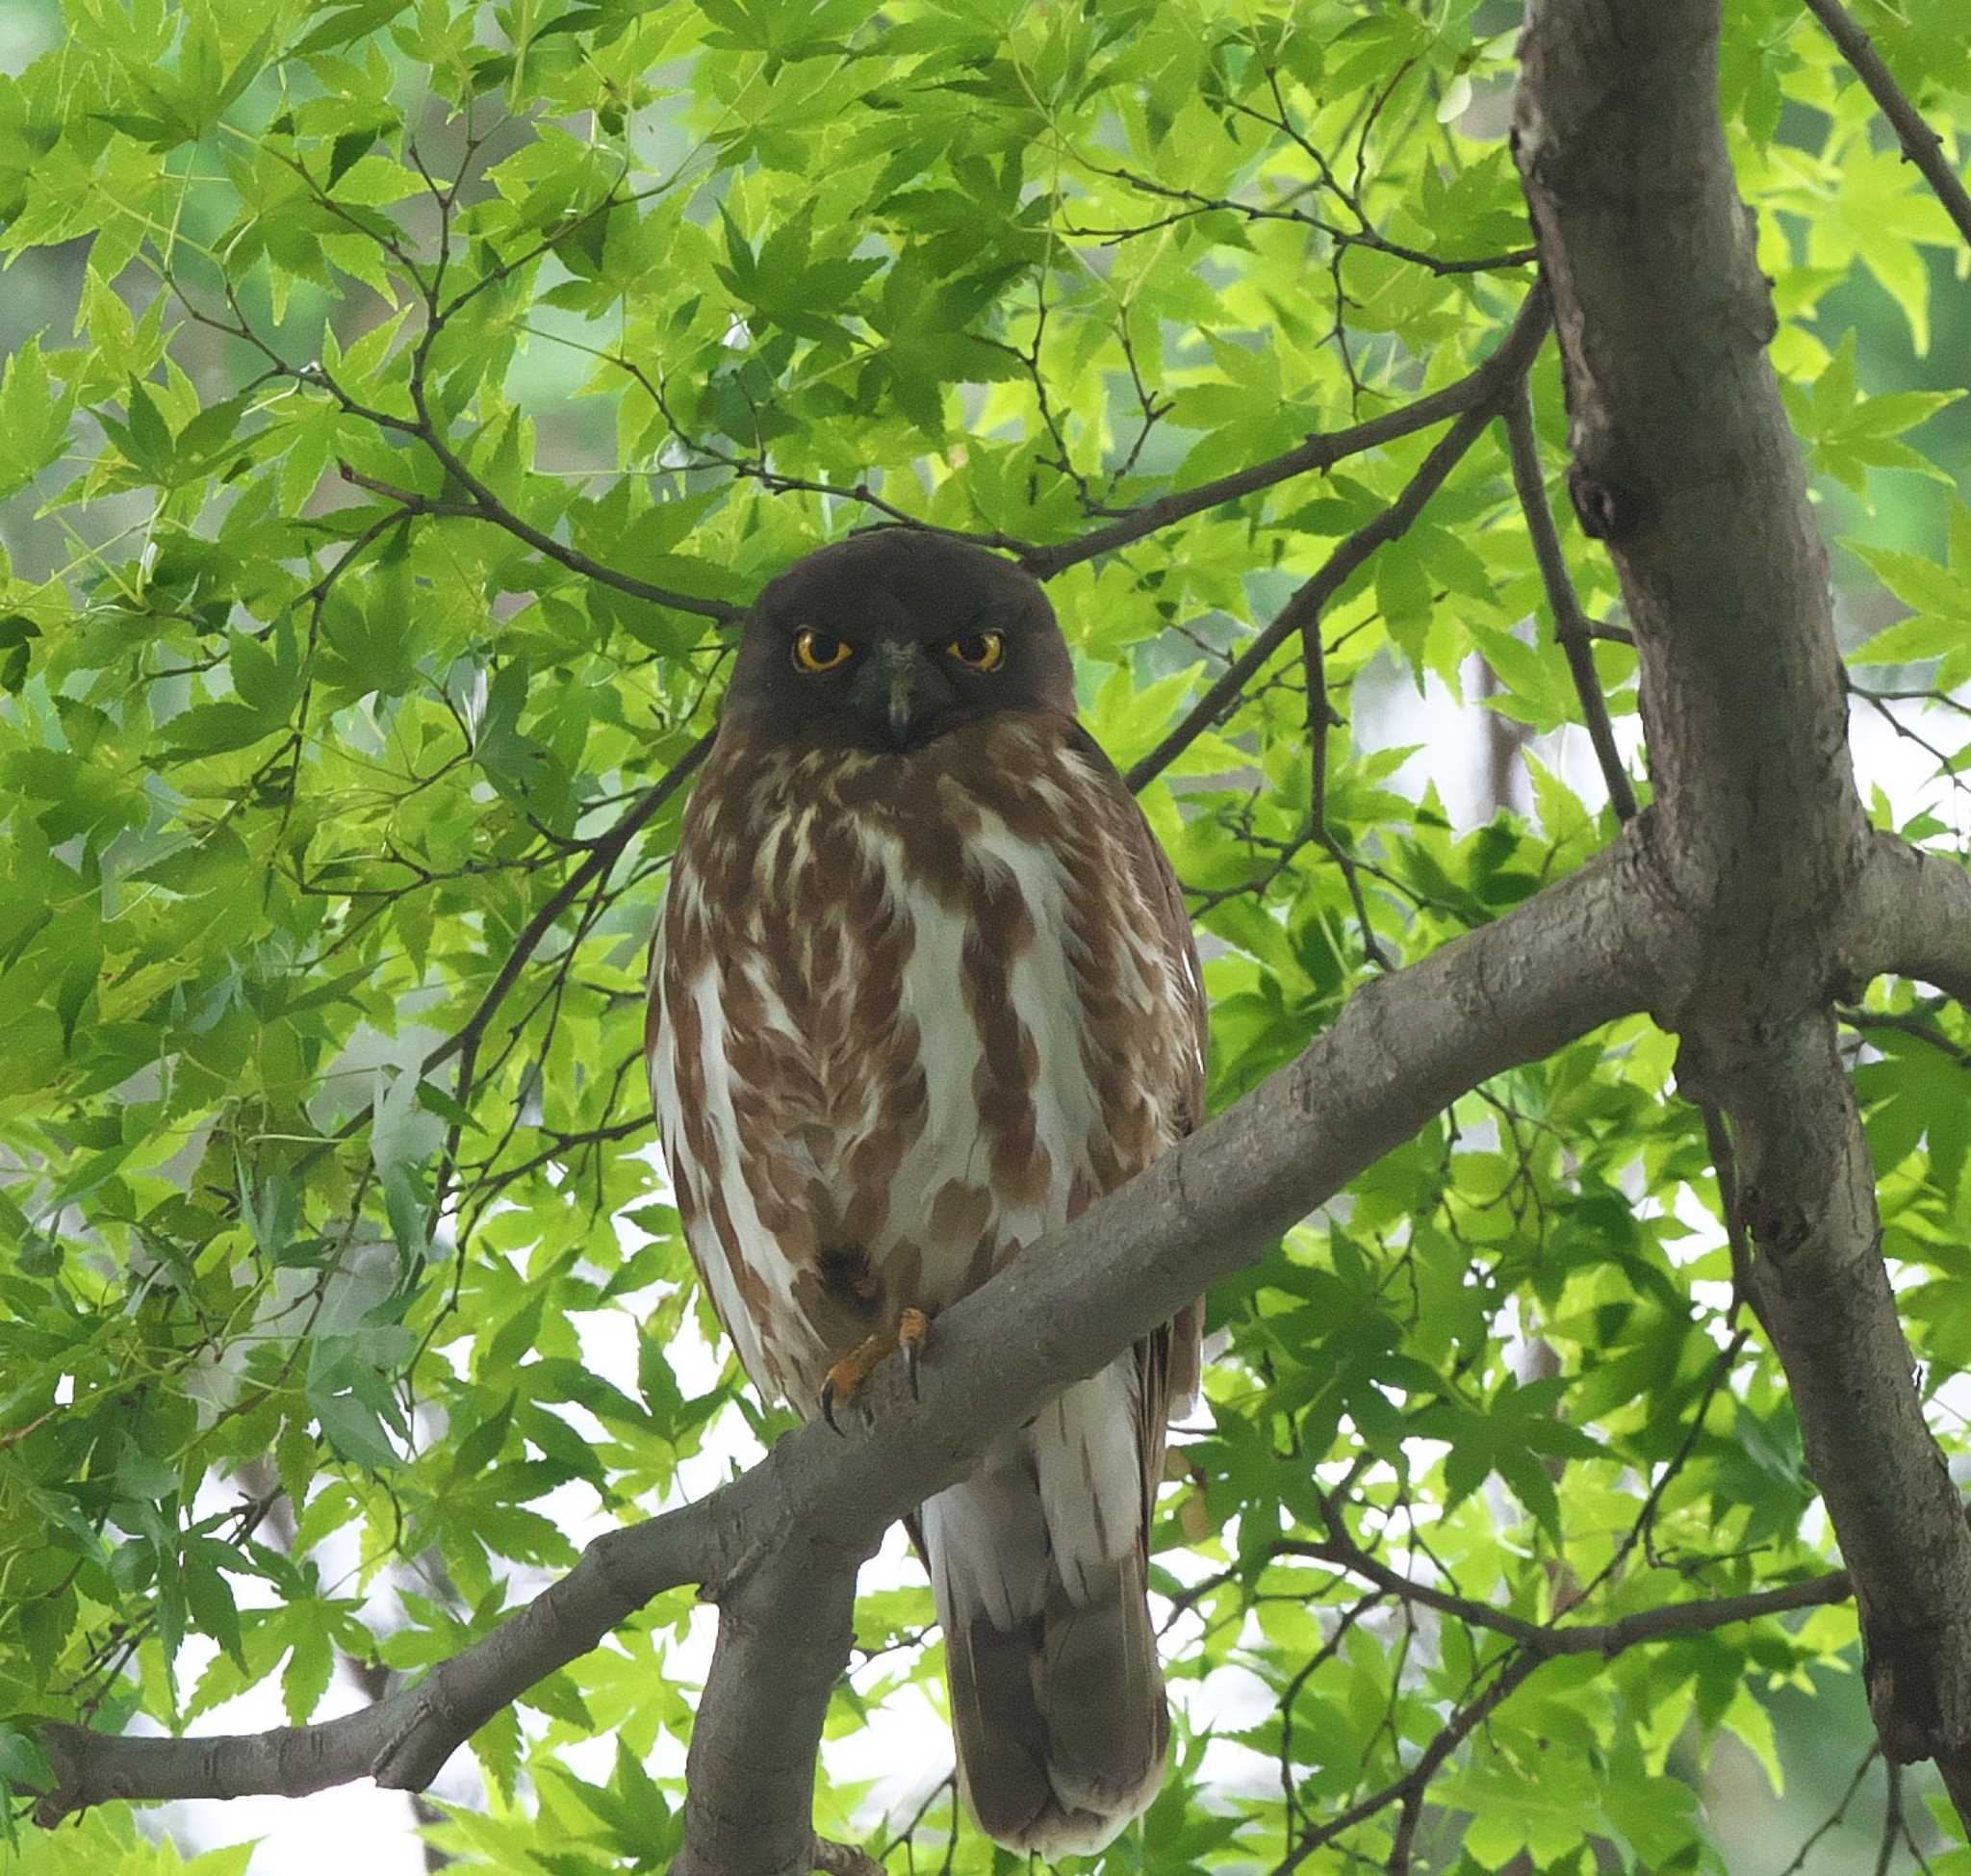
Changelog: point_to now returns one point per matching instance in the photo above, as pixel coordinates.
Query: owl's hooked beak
(898, 690)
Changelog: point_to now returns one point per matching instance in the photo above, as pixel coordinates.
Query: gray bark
(1757, 845)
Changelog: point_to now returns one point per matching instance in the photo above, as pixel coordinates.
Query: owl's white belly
(983, 984)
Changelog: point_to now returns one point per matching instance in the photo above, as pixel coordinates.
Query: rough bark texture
(1911, 916)
(1757, 843)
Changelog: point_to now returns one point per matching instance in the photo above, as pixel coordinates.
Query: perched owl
(923, 989)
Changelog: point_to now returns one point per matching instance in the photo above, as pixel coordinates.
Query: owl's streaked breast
(915, 1012)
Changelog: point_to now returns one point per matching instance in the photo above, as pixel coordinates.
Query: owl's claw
(844, 1381)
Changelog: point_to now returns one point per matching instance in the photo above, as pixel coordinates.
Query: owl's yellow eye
(816, 652)
(979, 650)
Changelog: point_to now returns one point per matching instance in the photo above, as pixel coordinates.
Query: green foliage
(422, 386)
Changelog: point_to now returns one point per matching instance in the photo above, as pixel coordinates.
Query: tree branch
(1479, 388)
(1569, 624)
(1921, 144)
(1911, 915)
(1501, 371)
(1553, 1639)
(1321, 719)
(602, 855)
(1400, 1791)
(1583, 953)
(1684, 464)
(784, 1634)
(1537, 1646)
(487, 506)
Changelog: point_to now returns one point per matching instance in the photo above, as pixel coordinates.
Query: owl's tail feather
(1060, 1714)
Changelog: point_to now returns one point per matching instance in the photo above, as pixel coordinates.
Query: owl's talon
(844, 1381)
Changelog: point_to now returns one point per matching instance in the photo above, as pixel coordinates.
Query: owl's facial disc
(899, 692)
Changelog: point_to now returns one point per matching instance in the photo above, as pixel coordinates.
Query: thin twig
(1639, 1530)
(1569, 624)
(1479, 389)
(601, 857)
(1923, 1028)
(487, 506)
(1550, 1640)
(1921, 144)
(1837, 1817)
(1343, 237)
(1505, 365)
(1449, 1737)
(1321, 718)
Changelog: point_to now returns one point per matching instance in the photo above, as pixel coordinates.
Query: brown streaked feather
(911, 1012)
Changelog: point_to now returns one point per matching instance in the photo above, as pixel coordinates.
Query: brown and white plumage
(923, 989)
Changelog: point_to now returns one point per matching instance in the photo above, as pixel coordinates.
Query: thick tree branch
(784, 1634)
(1921, 144)
(1686, 466)
(1583, 954)
(1911, 916)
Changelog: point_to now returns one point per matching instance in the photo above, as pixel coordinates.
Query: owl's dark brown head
(892, 638)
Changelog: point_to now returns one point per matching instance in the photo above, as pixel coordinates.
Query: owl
(922, 990)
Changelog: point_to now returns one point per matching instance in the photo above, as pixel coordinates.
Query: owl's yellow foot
(844, 1381)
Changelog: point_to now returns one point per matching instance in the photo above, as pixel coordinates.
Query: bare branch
(1480, 390)
(1569, 624)
(1921, 144)
(1501, 372)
